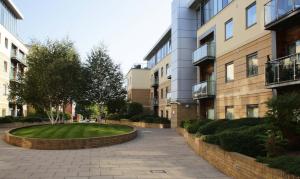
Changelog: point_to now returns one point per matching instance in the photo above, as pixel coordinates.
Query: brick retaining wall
(64, 144)
(230, 163)
(138, 124)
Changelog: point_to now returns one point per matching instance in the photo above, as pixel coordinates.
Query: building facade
(12, 58)
(226, 58)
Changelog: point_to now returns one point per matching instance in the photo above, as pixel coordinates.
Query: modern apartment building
(12, 58)
(226, 58)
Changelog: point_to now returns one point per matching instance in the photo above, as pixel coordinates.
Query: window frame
(226, 23)
(249, 57)
(247, 8)
(252, 106)
(226, 76)
(226, 109)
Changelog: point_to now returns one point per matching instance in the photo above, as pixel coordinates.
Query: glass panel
(229, 113)
(252, 65)
(211, 114)
(297, 3)
(252, 111)
(271, 73)
(286, 70)
(229, 72)
(284, 6)
(270, 12)
(297, 68)
(229, 29)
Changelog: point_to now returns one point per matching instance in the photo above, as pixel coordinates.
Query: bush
(218, 126)
(10, 119)
(243, 140)
(134, 109)
(114, 117)
(192, 126)
(289, 164)
(149, 119)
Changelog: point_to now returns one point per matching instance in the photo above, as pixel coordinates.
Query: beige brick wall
(140, 96)
(243, 90)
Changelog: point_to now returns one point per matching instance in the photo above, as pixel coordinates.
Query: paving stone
(154, 149)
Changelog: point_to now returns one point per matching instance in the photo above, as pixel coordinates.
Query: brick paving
(156, 153)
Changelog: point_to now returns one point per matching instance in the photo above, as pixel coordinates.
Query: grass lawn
(71, 131)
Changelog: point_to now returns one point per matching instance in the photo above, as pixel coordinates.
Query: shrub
(194, 125)
(218, 126)
(245, 141)
(149, 119)
(289, 164)
(114, 117)
(10, 119)
(134, 109)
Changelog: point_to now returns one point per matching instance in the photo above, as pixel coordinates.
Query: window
(229, 112)
(162, 71)
(167, 69)
(5, 66)
(5, 90)
(252, 111)
(252, 65)
(162, 93)
(6, 43)
(167, 114)
(251, 15)
(229, 29)
(3, 112)
(229, 72)
(161, 113)
(167, 90)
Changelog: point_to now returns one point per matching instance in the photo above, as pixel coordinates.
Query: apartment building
(138, 86)
(12, 58)
(226, 58)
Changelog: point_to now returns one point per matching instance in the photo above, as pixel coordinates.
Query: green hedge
(218, 126)
(31, 119)
(149, 119)
(192, 126)
(289, 164)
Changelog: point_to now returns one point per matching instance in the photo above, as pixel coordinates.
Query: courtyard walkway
(156, 153)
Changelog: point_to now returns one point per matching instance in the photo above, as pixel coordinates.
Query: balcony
(17, 56)
(204, 89)
(281, 13)
(154, 82)
(204, 53)
(283, 71)
(154, 101)
(169, 76)
(169, 98)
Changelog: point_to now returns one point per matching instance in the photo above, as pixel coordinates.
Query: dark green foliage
(149, 119)
(32, 119)
(135, 109)
(284, 116)
(289, 164)
(218, 126)
(192, 126)
(116, 117)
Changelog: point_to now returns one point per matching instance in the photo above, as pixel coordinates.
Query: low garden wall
(230, 163)
(139, 124)
(64, 144)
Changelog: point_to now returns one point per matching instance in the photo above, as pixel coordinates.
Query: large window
(160, 54)
(7, 19)
(229, 72)
(252, 111)
(252, 65)
(229, 29)
(229, 112)
(251, 15)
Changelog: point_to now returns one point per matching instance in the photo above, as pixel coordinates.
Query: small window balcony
(206, 89)
(281, 13)
(204, 53)
(154, 82)
(18, 57)
(284, 71)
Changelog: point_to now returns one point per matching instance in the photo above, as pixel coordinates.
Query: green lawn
(71, 131)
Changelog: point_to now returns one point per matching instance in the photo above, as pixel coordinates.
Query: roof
(13, 8)
(165, 37)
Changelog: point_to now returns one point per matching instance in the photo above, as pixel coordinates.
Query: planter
(231, 163)
(64, 144)
(139, 124)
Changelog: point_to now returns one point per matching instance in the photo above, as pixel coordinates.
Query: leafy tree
(284, 115)
(134, 109)
(105, 83)
(53, 77)
(87, 110)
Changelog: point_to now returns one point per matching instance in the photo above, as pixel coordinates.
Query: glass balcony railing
(204, 89)
(18, 56)
(154, 82)
(276, 9)
(169, 98)
(205, 51)
(283, 70)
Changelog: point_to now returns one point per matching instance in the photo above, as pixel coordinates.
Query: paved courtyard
(154, 154)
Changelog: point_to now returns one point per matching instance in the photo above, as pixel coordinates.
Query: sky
(129, 28)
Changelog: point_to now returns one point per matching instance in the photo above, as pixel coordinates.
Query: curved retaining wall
(231, 163)
(139, 124)
(64, 144)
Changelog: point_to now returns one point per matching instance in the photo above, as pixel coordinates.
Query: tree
(53, 77)
(87, 110)
(284, 115)
(105, 79)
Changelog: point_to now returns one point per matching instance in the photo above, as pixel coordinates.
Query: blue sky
(129, 28)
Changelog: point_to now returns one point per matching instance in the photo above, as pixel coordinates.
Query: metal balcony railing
(18, 56)
(207, 51)
(154, 82)
(276, 9)
(283, 70)
(204, 89)
(154, 101)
